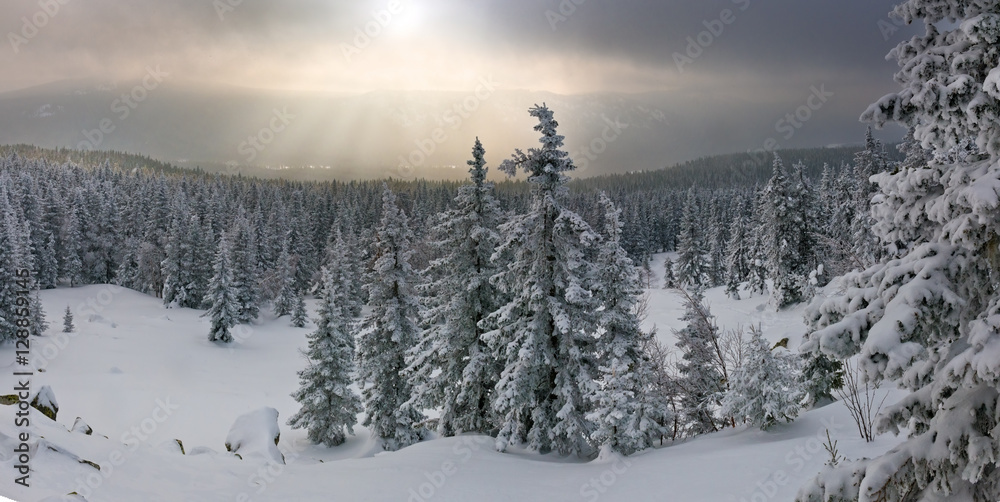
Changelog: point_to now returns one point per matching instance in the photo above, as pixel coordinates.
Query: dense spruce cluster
(926, 317)
(513, 308)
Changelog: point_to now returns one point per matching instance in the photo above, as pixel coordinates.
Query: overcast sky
(739, 64)
(565, 46)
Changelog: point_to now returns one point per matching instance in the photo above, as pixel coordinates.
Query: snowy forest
(233, 246)
(515, 306)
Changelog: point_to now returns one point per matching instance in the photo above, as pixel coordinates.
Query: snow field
(143, 376)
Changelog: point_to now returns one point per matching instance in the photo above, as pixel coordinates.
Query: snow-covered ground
(142, 376)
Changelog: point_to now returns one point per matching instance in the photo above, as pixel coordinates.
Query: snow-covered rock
(255, 435)
(172, 446)
(81, 427)
(45, 402)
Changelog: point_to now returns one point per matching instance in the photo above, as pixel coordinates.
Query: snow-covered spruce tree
(663, 388)
(782, 230)
(299, 316)
(645, 269)
(203, 250)
(717, 237)
(692, 262)
(738, 258)
(930, 320)
(44, 269)
(805, 210)
(284, 304)
(388, 333)
(329, 407)
(15, 257)
(179, 283)
(10, 263)
(867, 163)
(839, 203)
(765, 389)
(701, 368)
(224, 310)
(626, 420)
(68, 326)
(757, 263)
(820, 377)
(243, 262)
(908, 236)
(354, 254)
(669, 277)
(544, 335)
(341, 261)
(453, 368)
(49, 269)
(826, 202)
(72, 265)
(300, 242)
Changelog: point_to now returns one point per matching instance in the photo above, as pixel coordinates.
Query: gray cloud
(784, 38)
(760, 62)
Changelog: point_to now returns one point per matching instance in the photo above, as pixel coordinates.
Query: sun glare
(410, 18)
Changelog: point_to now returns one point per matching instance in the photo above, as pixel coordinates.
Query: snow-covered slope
(143, 376)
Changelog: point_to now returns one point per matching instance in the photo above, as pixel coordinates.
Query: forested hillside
(652, 202)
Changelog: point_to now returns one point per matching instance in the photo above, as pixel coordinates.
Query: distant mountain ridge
(736, 170)
(378, 134)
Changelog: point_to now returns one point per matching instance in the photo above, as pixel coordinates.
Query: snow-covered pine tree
(127, 274)
(645, 269)
(72, 265)
(821, 376)
(930, 320)
(299, 316)
(867, 163)
(389, 331)
(9, 265)
(342, 262)
(330, 407)
(782, 231)
(150, 253)
(49, 269)
(842, 219)
(701, 366)
(224, 310)
(53, 211)
(544, 335)
(354, 254)
(626, 420)
(203, 250)
(273, 237)
(827, 245)
(68, 326)
(804, 224)
(16, 237)
(765, 389)
(178, 266)
(826, 203)
(284, 304)
(692, 262)
(757, 262)
(301, 244)
(906, 236)
(453, 368)
(243, 262)
(717, 235)
(669, 277)
(738, 258)
(44, 270)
